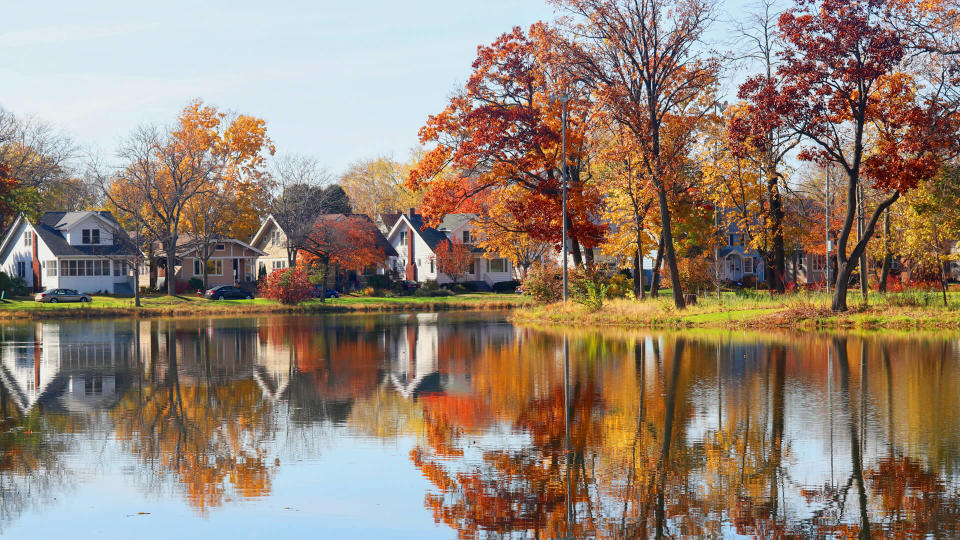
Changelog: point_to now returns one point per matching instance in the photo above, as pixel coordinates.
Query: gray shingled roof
(452, 221)
(433, 237)
(48, 227)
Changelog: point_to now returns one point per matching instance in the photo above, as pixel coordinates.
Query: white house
(86, 251)
(271, 239)
(417, 244)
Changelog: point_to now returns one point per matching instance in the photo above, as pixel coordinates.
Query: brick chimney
(37, 273)
(413, 212)
(411, 269)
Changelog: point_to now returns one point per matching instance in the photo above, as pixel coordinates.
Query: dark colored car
(228, 292)
(410, 285)
(54, 296)
(331, 293)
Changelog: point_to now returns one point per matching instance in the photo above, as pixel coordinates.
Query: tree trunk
(887, 254)
(943, 280)
(588, 257)
(655, 271)
(845, 266)
(776, 279)
(323, 282)
(666, 237)
(637, 276)
(574, 243)
(136, 283)
(170, 245)
(864, 288)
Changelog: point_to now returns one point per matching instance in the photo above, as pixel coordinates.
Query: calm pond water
(463, 426)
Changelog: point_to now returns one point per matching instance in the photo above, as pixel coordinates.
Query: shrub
(14, 286)
(430, 285)
(455, 288)
(378, 282)
(588, 286)
(195, 283)
(423, 292)
(368, 291)
(288, 285)
(543, 283)
(620, 286)
(181, 286)
(505, 286)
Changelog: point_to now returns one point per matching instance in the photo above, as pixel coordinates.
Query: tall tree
(165, 170)
(840, 87)
(375, 186)
(504, 129)
(303, 193)
(645, 59)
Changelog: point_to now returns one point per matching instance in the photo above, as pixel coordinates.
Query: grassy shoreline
(805, 311)
(174, 306)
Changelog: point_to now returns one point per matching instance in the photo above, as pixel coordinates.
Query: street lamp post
(563, 189)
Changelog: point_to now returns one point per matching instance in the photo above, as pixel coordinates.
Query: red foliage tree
(502, 130)
(347, 241)
(839, 87)
(454, 259)
(287, 285)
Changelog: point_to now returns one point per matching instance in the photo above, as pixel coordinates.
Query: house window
(215, 267)
(120, 268)
(801, 261)
(21, 269)
(51, 268)
(28, 239)
(473, 267)
(90, 236)
(431, 265)
(278, 265)
(197, 269)
(277, 238)
(497, 265)
(748, 265)
(403, 238)
(466, 237)
(220, 247)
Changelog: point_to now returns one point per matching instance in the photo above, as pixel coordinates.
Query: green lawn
(183, 305)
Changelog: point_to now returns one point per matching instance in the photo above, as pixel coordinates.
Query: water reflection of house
(73, 365)
(413, 349)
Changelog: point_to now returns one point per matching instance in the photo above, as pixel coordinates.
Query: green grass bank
(172, 306)
(907, 310)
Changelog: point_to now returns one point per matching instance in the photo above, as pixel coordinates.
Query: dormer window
(91, 236)
(221, 247)
(466, 237)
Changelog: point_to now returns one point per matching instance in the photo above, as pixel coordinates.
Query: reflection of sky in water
(345, 427)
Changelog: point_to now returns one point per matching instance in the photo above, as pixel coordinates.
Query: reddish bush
(288, 285)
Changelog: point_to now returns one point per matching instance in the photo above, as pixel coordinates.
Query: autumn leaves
(840, 84)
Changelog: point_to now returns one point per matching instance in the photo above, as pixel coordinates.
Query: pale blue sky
(338, 80)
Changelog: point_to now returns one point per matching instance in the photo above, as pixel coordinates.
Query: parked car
(331, 293)
(54, 296)
(228, 292)
(410, 285)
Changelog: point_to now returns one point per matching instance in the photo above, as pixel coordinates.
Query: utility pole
(828, 246)
(563, 190)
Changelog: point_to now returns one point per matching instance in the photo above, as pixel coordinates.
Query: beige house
(272, 241)
(231, 262)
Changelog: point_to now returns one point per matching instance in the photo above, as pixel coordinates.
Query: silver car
(54, 296)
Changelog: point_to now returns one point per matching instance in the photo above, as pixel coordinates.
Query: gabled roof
(432, 237)
(389, 219)
(263, 227)
(187, 243)
(8, 237)
(69, 219)
(50, 226)
(452, 221)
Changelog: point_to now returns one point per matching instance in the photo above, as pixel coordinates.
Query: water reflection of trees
(696, 438)
(668, 435)
(195, 416)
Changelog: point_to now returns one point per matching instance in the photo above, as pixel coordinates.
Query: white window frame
(28, 239)
(215, 263)
(499, 262)
(52, 268)
(21, 268)
(748, 265)
(403, 238)
(467, 238)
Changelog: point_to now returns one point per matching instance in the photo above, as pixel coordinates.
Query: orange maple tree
(454, 259)
(503, 129)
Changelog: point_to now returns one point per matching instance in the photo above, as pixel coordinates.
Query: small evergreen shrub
(196, 283)
(505, 286)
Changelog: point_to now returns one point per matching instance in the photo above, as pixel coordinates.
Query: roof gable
(430, 236)
(50, 231)
(267, 221)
